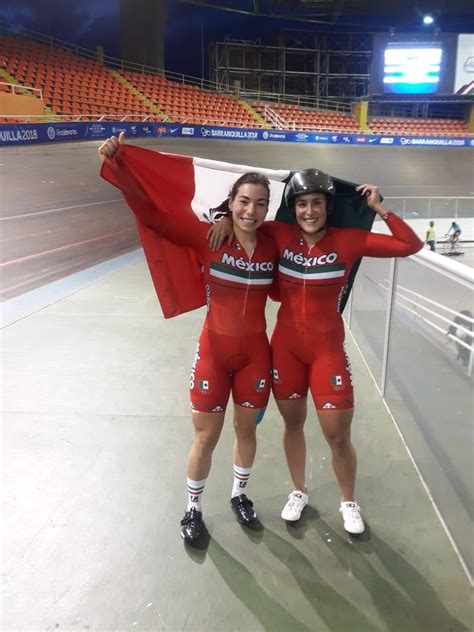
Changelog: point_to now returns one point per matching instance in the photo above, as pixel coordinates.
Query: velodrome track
(58, 217)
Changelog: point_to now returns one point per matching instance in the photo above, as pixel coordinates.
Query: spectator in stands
(431, 237)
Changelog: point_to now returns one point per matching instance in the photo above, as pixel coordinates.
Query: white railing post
(349, 308)
(388, 322)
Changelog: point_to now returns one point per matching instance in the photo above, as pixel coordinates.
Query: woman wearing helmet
(308, 341)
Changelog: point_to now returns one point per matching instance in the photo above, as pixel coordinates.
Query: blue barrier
(54, 132)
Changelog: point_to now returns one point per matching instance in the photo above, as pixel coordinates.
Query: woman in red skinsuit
(307, 344)
(233, 352)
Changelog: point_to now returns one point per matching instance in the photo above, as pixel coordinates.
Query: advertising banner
(58, 132)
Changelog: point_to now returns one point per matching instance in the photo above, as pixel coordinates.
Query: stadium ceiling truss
(454, 13)
(303, 62)
(329, 52)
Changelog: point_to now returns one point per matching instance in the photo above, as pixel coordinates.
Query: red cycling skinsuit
(307, 343)
(233, 352)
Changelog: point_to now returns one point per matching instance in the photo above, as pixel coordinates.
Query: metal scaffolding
(302, 62)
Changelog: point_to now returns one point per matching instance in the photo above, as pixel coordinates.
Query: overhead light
(428, 19)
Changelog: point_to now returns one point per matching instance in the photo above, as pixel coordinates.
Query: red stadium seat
(78, 85)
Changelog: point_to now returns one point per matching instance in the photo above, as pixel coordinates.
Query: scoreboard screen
(408, 64)
(412, 69)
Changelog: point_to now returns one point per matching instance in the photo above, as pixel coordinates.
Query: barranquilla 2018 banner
(59, 132)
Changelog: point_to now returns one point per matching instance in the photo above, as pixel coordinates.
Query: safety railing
(413, 323)
(278, 122)
(422, 207)
(20, 89)
(88, 118)
(440, 319)
(302, 101)
(274, 118)
(152, 117)
(120, 116)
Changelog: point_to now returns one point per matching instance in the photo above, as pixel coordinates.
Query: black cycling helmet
(309, 181)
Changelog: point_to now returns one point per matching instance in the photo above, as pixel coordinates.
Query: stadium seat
(73, 85)
(418, 126)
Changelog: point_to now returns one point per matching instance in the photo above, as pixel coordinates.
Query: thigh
(251, 382)
(290, 373)
(330, 375)
(210, 380)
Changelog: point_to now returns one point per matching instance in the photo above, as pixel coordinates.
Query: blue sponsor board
(101, 130)
(54, 132)
(322, 138)
(222, 133)
(274, 135)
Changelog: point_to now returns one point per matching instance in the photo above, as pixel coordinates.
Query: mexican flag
(197, 188)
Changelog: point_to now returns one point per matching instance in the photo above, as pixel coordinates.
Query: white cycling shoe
(353, 522)
(295, 504)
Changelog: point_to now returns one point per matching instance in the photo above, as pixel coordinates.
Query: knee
(245, 432)
(294, 425)
(294, 414)
(339, 443)
(206, 441)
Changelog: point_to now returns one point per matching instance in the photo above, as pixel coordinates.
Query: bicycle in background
(451, 245)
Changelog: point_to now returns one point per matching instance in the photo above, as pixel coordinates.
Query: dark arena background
(95, 413)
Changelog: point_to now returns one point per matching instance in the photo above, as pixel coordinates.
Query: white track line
(56, 210)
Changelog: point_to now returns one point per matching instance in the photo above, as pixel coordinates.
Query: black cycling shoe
(243, 508)
(192, 525)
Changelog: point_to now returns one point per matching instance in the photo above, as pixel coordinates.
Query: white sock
(241, 477)
(195, 489)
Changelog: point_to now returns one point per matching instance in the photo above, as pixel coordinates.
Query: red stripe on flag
(149, 179)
